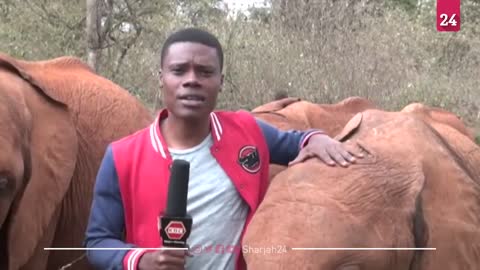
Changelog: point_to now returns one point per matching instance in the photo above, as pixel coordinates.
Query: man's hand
(163, 260)
(328, 150)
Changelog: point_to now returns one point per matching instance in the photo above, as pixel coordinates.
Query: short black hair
(195, 35)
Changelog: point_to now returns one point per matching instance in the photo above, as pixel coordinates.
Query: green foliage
(42, 29)
(409, 6)
(200, 12)
(321, 50)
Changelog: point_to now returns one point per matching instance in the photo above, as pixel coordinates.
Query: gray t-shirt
(217, 210)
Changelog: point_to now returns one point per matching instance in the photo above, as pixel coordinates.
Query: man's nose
(191, 79)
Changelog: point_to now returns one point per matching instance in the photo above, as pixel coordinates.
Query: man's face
(191, 79)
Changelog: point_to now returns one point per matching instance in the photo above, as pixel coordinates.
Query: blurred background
(388, 51)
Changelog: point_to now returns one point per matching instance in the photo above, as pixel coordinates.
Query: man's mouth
(192, 97)
(192, 100)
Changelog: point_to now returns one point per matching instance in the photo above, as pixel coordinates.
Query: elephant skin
(56, 118)
(417, 186)
(440, 116)
(293, 113)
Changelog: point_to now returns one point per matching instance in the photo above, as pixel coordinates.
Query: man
(229, 153)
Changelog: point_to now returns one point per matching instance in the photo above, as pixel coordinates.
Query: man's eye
(3, 182)
(207, 72)
(6, 182)
(176, 70)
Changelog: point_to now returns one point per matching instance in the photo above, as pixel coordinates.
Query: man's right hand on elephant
(163, 260)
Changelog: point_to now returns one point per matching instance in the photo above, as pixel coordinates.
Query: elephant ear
(49, 76)
(448, 208)
(52, 152)
(350, 128)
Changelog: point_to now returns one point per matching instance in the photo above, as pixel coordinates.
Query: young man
(229, 153)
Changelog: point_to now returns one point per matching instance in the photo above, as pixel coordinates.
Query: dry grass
(387, 56)
(323, 52)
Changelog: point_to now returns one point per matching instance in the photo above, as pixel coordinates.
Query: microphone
(176, 224)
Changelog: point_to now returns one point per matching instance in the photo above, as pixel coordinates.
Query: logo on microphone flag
(175, 230)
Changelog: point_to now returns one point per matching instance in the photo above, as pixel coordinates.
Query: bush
(319, 50)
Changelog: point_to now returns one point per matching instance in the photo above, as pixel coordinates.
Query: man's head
(191, 73)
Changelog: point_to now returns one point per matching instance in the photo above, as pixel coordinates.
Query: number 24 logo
(451, 21)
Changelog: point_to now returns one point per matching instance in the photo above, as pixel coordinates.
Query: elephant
(417, 186)
(293, 113)
(275, 105)
(429, 113)
(275, 114)
(57, 117)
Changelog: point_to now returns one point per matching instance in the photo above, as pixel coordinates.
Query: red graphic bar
(448, 15)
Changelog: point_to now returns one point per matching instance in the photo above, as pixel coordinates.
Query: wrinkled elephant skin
(56, 119)
(418, 186)
(439, 116)
(290, 113)
(293, 113)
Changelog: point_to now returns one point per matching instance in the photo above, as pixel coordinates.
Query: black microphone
(176, 224)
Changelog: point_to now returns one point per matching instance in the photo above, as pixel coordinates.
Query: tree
(93, 42)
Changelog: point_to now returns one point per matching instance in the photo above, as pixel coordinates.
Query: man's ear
(160, 78)
(221, 82)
